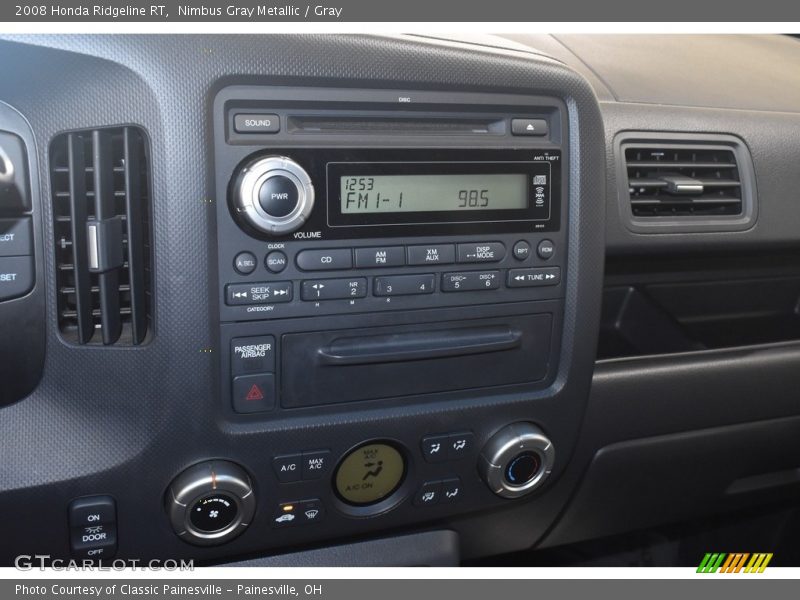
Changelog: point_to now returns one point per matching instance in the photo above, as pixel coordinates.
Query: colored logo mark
(737, 562)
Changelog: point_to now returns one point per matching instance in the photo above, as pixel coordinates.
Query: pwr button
(254, 393)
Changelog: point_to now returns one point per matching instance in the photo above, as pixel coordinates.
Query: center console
(381, 249)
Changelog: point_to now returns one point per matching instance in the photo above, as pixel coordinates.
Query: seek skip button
(315, 464)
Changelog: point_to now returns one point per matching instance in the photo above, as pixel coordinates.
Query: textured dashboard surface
(124, 421)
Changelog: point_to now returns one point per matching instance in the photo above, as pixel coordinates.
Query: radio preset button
(380, 257)
(546, 249)
(522, 250)
(333, 289)
(432, 255)
(325, 260)
(237, 294)
(275, 261)
(470, 281)
(403, 285)
(278, 196)
(534, 277)
(245, 263)
(481, 252)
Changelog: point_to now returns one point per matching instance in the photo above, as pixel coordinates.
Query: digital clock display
(366, 194)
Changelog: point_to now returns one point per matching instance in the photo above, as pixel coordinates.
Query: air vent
(100, 187)
(688, 183)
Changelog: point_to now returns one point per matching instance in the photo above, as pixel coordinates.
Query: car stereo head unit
(332, 193)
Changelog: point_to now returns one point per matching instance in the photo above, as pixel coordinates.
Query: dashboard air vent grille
(683, 181)
(101, 197)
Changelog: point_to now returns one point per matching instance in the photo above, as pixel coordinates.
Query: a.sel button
(470, 281)
(16, 276)
(534, 277)
(481, 252)
(333, 289)
(325, 260)
(258, 293)
(403, 285)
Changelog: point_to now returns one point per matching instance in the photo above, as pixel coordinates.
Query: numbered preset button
(333, 289)
(470, 281)
(403, 285)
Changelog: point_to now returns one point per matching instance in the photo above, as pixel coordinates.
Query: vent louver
(100, 187)
(683, 181)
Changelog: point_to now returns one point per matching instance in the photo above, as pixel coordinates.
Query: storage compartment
(666, 310)
(367, 364)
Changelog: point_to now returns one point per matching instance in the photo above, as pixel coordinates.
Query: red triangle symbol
(255, 393)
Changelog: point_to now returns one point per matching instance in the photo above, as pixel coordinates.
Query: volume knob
(273, 194)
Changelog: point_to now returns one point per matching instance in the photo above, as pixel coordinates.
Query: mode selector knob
(210, 503)
(516, 460)
(273, 194)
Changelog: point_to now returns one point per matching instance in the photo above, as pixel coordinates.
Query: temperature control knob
(273, 194)
(210, 503)
(516, 460)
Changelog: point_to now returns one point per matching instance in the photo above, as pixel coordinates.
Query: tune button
(278, 196)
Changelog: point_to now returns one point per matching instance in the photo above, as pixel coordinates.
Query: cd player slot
(366, 125)
(420, 345)
(335, 367)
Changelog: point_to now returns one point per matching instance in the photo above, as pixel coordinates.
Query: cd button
(481, 252)
(431, 255)
(325, 260)
(278, 196)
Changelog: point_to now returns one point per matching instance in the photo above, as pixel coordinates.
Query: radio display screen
(443, 195)
(432, 193)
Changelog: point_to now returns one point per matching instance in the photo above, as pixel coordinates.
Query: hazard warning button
(254, 393)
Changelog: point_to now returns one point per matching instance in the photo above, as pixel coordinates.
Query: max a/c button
(254, 393)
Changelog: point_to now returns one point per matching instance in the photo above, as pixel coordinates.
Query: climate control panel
(213, 502)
